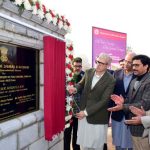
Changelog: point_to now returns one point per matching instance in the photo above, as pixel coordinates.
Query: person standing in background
(72, 130)
(120, 132)
(138, 96)
(121, 63)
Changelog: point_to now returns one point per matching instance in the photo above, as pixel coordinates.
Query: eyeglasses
(128, 62)
(77, 66)
(100, 63)
(136, 65)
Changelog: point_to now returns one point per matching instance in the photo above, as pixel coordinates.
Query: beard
(77, 72)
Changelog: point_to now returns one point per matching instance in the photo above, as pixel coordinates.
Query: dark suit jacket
(119, 90)
(139, 97)
(95, 100)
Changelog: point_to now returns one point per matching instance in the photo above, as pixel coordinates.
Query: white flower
(68, 71)
(68, 117)
(34, 10)
(65, 26)
(60, 24)
(69, 29)
(69, 98)
(69, 42)
(40, 13)
(68, 107)
(34, 1)
(67, 125)
(68, 78)
(27, 5)
(55, 20)
(48, 17)
(69, 52)
(67, 60)
(18, 2)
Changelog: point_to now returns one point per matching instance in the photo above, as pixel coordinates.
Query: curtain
(54, 86)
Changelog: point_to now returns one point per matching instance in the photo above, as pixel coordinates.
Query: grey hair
(132, 54)
(106, 57)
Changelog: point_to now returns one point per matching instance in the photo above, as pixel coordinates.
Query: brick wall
(26, 132)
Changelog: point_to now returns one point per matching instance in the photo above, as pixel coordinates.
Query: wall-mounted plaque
(19, 81)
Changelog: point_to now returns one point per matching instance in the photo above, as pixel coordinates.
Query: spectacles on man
(100, 63)
(78, 66)
(136, 65)
(128, 62)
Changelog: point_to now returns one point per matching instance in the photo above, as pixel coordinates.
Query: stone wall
(23, 28)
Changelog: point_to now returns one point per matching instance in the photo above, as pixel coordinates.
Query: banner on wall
(110, 42)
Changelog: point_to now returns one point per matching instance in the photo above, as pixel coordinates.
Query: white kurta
(91, 135)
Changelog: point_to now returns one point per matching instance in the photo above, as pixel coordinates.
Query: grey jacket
(139, 97)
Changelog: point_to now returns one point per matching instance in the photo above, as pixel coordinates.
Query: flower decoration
(67, 26)
(37, 8)
(27, 5)
(18, 2)
(51, 17)
(69, 82)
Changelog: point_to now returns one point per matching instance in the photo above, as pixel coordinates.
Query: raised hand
(137, 111)
(116, 108)
(134, 121)
(117, 99)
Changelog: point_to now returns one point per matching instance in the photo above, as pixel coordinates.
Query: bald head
(131, 54)
(128, 61)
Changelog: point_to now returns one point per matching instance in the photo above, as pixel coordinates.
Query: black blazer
(119, 90)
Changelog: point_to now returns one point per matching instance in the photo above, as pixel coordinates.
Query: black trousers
(67, 136)
(105, 147)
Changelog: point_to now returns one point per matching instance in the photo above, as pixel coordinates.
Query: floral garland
(69, 82)
(37, 8)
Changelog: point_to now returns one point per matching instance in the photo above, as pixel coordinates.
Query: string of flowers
(69, 82)
(44, 13)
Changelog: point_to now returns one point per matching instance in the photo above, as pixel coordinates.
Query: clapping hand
(119, 100)
(138, 112)
(134, 120)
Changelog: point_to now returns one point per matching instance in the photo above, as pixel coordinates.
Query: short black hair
(121, 60)
(144, 59)
(77, 59)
